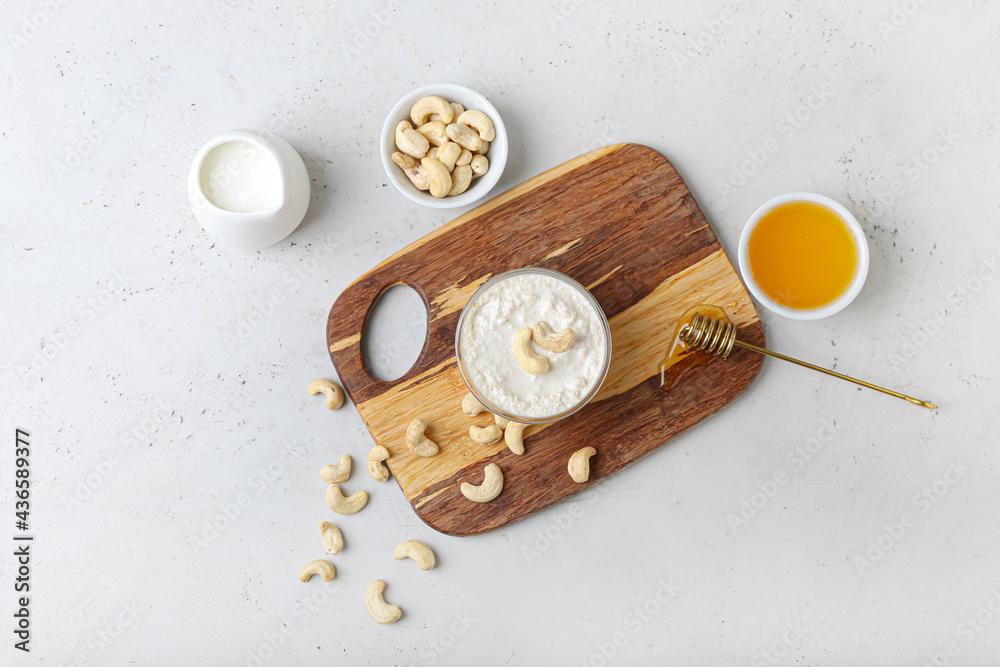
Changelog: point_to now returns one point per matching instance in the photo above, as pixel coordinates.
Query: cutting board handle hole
(394, 333)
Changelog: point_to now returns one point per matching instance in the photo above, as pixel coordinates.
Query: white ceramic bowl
(860, 245)
(470, 99)
(605, 327)
(261, 228)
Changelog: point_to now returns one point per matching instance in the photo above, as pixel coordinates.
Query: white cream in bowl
(516, 300)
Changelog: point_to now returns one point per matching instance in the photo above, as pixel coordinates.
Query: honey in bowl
(802, 255)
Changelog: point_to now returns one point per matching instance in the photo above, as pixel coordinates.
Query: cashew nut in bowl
(410, 141)
(334, 394)
(405, 161)
(419, 443)
(340, 504)
(464, 158)
(333, 539)
(490, 488)
(418, 551)
(485, 436)
(480, 165)
(527, 358)
(551, 341)
(483, 149)
(479, 122)
(380, 610)
(324, 568)
(457, 108)
(434, 131)
(501, 421)
(376, 466)
(471, 405)
(432, 152)
(418, 177)
(433, 105)
(464, 136)
(461, 178)
(448, 153)
(332, 474)
(437, 176)
(579, 464)
(513, 435)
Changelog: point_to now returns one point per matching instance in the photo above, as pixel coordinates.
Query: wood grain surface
(619, 220)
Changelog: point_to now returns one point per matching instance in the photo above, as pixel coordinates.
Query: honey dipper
(717, 336)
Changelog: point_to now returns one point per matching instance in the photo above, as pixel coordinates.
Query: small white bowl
(860, 245)
(268, 225)
(470, 99)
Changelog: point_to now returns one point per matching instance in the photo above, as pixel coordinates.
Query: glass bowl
(591, 391)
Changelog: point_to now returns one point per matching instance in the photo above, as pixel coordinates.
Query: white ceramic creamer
(248, 188)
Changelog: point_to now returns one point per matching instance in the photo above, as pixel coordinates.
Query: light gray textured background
(160, 404)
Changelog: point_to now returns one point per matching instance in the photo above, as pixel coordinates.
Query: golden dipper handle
(915, 401)
(718, 336)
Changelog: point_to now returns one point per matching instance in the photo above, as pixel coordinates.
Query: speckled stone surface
(162, 376)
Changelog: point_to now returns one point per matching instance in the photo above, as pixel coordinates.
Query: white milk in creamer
(242, 177)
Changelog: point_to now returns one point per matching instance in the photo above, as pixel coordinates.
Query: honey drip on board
(681, 358)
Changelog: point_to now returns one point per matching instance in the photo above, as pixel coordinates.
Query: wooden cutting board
(619, 220)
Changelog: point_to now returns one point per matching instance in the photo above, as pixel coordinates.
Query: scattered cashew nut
(513, 435)
(501, 421)
(324, 568)
(333, 539)
(579, 464)
(410, 141)
(340, 504)
(418, 551)
(332, 474)
(480, 122)
(419, 443)
(527, 358)
(380, 610)
(334, 394)
(461, 179)
(376, 466)
(480, 165)
(471, 405)
(437, 176)
(490, 488)
(551, 341)
(464, 136)
(485, 436)
(429, 106)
